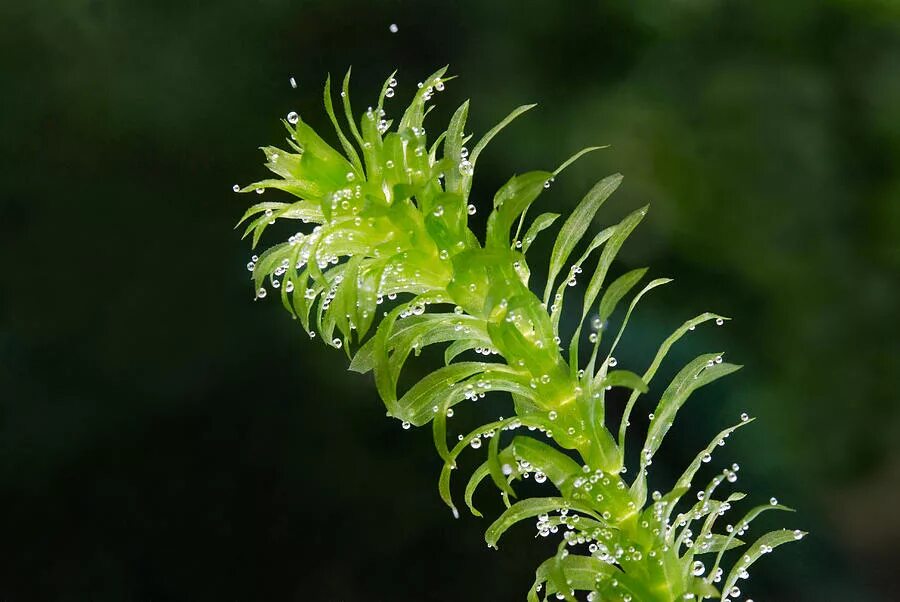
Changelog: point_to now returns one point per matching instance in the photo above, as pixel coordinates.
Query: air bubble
(293, 117)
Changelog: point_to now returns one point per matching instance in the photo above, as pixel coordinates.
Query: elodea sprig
(390, 217)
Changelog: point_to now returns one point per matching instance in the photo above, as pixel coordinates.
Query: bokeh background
(164, 438)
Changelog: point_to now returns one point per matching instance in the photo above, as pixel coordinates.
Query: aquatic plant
(391, 244)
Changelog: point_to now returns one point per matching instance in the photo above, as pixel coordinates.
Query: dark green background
(162, 437)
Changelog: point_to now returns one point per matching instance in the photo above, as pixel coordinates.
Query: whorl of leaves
(390, 216)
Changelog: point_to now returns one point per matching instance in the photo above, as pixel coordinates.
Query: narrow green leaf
(477, 477)
(415, 405)
(739, 526)
(348, 110)
(618, 289)
(453, 147)
(527, 509)
(657, 360)
(497, 129)
(345, 143)
(540, 223)
(576, 225)
(623, 230)
(763, 545)
(495, 468)
(577, 156)
(624, 378)
(693, 376)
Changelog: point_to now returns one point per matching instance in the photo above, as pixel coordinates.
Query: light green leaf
(540, 223)
(576, 225)
(530, 508)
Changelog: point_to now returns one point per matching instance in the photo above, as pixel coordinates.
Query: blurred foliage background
(164, 438)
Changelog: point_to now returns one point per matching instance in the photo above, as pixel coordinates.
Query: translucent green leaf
(763, 545)
(657, 360)
(512, 200)
(348, 110)
(576, 225)
(623, 230)
(345, 143)
(477, 477)
(739, 526)
(618, 289)
(530, 508)
(485, 140)
(415, 405)
(624, 378)
(697, 373)
(540, 223)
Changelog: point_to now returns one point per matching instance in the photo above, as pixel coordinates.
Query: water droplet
(350, 176)
(337, 342)
(698, 568)
(260, 191)
(744, 417)
(466, 168)
(261, 293)
(719, 321)
(552, 415)
(236, 188)
(438, 211)
(293, 117)
(293, 82)
(707, 457)
(389, 93)
(475, 443)
(471, 209)
(773, 501)
(613, 362)
(449, 412)
(405, 425)
(393, 28)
